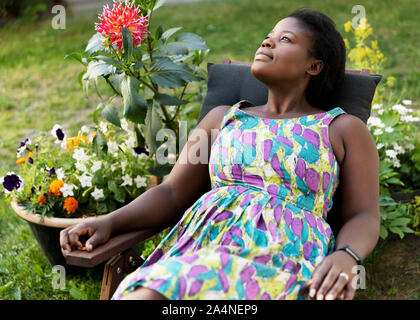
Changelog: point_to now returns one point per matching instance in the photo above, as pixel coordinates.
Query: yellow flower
(347, 26)
(346, 43)
(390, 81)
(55, 187)
(70, 204)
(20, 160)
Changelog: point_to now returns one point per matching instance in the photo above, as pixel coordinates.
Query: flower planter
(47, 232)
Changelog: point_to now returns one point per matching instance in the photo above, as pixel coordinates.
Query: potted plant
(64, 180)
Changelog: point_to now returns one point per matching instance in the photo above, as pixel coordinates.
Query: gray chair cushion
(229, 83)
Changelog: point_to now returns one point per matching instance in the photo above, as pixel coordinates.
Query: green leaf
(116, 80)
(99, 143)
(395, 181)
(139, 136)
(78, 294)
(98, 178)
(168, 100)
(76, 56)
(161, 170)
(135, 107)
(102, 207)
(96, 112)
(192, 41)
(158, 32)
(383, 233)
(167, 73)
(166, 35)
(98, 68)
(397, 231)
(174, 48)
(110, 113)
(400, 222)
(95, 43)
(119, 192)
(127, 41)
(152, 124)
(110, 61)
(158, 4)
(80, 77)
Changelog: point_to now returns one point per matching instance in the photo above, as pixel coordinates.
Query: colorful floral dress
(258, 232)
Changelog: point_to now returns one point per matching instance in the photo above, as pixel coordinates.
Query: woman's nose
(267, 43)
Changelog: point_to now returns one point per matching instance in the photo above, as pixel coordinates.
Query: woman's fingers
(327, 283)
(318, 276)
(337, 288)
(64, 241)
(349, 292)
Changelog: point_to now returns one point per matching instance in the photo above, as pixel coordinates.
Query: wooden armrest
(113, 246)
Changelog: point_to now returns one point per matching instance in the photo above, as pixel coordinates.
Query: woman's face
(283, 55)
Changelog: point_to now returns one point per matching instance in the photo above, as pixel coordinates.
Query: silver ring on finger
(345, 275)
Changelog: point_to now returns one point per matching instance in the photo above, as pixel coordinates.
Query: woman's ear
(315, 68)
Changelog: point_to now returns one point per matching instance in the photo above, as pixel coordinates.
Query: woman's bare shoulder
(213, 119)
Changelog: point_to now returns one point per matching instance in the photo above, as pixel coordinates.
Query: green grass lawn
(39, 88)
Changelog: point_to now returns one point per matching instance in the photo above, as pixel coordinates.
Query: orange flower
(20, 160)
(31, 153)
(42, 200)
(74, 142)
(55, 187)
(70, 204)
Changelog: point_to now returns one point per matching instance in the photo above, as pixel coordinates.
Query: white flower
(379, 146)
(104, 126)
(140, 182)
(67, 190)
(123, 165)
(375, 122)
(131, 142)
(97, 194)
(381, 111)
(85, 181)
(409, 118)
(128, 181)
(391, 153)
(96, 166)
(398, 148)
(400, 109)
(406, 102)
(396, 163)
(80, 155)
(85, 129)
(378, 132)
(60, 174)
(377, 106)
(81, 167)
(113, 167)
(410, 146)
(389, 129)
(113, 147)
(124, 124)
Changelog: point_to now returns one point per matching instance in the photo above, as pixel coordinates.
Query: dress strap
(331, 114)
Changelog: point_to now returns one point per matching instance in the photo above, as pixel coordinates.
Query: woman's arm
(162, 204)
(186, 182)
(359, 179)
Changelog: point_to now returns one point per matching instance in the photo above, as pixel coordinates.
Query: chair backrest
(232, 81)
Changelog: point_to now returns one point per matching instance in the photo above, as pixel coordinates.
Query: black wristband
(356, 257)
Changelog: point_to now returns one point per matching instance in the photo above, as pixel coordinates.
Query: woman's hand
(93, 232)
(327, 283)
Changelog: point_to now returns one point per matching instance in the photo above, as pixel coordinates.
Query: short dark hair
(328, 46)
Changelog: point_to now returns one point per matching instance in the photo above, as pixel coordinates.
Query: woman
(260, 232)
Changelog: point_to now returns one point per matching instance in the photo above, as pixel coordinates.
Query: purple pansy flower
(23, 146)
(58, 133)
(139, 150)
(11, 182)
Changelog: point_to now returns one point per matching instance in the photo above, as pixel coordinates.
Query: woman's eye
(280, 39)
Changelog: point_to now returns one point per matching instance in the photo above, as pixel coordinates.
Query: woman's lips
(261, 56)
